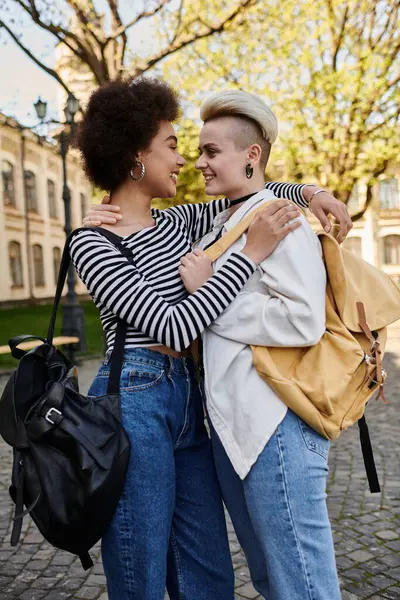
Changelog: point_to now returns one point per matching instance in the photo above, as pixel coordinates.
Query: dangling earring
(142, 171)
(249, 171)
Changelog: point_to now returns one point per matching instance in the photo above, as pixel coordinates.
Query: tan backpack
(328, 384)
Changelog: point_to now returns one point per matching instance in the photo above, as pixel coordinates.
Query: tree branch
(336, 39)
(385, 122)
(86, 54)
(178, 25)
(85, 20)
(369, 196)
(139, 17)
(55, 30)
(119, 47)
(368, 199)
(227, 75)
(35, 60)
(194, 38)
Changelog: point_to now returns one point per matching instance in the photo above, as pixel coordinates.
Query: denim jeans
(169, 527)
(280, 515)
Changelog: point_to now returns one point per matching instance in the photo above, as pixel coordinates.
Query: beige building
(376, 237)
(32, 212)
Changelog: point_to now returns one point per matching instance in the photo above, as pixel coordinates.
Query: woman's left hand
(324, 204)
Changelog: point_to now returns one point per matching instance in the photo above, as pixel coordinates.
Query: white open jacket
(283, 304)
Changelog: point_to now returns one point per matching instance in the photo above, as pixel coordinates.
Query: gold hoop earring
(142, 171)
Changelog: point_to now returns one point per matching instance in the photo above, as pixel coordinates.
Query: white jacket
(283, 304)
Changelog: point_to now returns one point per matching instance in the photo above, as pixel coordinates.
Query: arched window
(391, 245)
(354, 244)
(30, 190)
(389, 193)
(38, 266)
(7, 170)
(15, 259)
(56, 263)
(51, 198)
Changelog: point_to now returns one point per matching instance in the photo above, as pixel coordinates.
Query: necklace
(240, 200)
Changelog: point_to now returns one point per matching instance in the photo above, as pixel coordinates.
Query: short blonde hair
(241, 104)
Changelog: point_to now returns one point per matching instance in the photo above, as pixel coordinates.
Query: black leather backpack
(70, 452)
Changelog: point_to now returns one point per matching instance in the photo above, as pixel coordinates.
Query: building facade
(376, 237)
(32, 212)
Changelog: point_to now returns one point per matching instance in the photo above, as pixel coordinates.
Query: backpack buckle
(50, 412)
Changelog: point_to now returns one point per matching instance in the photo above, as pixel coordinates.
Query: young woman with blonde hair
(272, 467)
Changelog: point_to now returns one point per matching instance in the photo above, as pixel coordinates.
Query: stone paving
(366, 527)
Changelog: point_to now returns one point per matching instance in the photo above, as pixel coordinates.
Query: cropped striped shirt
(149, 294)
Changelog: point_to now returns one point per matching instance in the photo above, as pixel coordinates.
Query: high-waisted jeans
(169, 527)
(280, 515)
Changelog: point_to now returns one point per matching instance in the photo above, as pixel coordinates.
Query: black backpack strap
(120, 334)
(117, 358)
(368, 456)
(62, 275)
(18, 480)
(86, 561)
(17, 340)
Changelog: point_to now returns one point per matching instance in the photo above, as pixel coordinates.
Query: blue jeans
(280, 515)
(169, 527)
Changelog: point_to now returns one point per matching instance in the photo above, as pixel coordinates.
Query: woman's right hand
(102, 214)
(269, 227)
(195, 269)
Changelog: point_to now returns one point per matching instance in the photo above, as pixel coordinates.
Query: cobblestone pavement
(366, 527)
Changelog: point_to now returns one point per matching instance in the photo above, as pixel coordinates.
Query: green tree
(331, 71)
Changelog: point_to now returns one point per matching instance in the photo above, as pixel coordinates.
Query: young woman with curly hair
(169, 527)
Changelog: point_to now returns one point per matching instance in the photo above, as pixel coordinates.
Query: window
(56, 263)
(30, 191)
(391, 245)
(354, 244)
(83, 206)
(389, 193)
(14, 256)
(8, 183)
(38, 266)
(51, 197)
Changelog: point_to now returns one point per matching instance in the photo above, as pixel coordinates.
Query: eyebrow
(209, 145)
(172, 138)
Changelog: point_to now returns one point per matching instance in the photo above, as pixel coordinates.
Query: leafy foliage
(330, 69)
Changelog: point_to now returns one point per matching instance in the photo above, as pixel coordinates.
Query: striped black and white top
(150, 295)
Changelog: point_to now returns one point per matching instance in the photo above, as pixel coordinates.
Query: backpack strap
(120, 335)
(220, 246)
(368, 456)
(86, 561)
(62, 275)
(17, 340)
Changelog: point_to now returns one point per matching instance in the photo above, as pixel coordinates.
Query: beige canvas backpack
(329, 384)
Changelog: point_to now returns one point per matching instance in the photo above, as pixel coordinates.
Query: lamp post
(73, 317)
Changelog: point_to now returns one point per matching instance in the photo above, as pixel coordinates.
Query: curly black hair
(122, 118)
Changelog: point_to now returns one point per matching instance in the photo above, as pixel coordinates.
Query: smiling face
(162, 163)
(223, 160)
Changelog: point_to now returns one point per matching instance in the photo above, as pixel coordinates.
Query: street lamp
(73, 317)
(41, 108)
